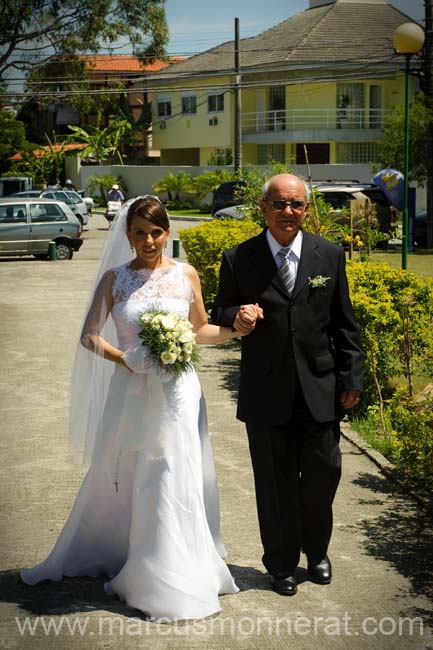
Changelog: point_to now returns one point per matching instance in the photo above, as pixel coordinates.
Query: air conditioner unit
(215, 120)
(162, 125)
(210, 122)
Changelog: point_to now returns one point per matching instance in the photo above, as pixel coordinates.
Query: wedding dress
(147, 512)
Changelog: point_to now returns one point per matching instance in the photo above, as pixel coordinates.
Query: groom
(301, 365)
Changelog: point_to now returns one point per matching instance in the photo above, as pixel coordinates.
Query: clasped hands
(246, 318)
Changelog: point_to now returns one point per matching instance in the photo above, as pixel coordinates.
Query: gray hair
(265, 189)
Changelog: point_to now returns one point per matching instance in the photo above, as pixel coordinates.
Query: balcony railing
(294, 119)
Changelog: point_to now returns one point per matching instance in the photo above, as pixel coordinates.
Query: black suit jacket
(313, 333)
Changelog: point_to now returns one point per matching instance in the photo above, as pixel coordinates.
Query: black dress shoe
(320, 572)
(284, 584)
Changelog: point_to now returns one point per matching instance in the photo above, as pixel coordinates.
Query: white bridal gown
(147, 512)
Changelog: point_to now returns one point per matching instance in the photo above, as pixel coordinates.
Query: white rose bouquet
(170, 340)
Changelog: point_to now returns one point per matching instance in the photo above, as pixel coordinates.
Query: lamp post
(408, 40)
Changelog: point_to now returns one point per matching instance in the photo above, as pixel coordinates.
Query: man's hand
(350, 398)
(246, 318)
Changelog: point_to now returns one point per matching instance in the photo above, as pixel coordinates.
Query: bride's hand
(137, 359)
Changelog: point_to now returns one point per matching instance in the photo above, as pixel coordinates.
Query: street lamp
(408, 40)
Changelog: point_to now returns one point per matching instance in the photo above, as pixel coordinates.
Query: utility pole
(237, 159)
(428, 90)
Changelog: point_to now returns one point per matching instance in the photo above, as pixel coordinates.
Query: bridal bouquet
(170, 340)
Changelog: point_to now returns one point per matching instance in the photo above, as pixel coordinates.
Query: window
(59, 196)
(46, 212)
(13, 214)
(356, 152)
(221, 157)
(270, 152)
(189, 104)
(215, 102)
(163, 107)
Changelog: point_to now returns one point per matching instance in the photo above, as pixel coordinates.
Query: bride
(147, 512)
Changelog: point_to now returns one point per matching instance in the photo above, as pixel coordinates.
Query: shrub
(181, 204)
(204, 245)
(394, 309)
(412, 424)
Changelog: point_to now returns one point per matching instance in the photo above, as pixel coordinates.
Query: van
(11, 184)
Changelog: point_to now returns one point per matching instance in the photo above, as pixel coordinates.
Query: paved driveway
(381, 596)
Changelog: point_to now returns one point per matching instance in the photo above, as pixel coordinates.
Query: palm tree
(174, 185)
(209, 181)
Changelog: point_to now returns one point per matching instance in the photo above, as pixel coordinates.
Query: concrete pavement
(382, 592)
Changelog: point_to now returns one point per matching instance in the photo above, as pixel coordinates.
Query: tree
(209, 181)
(48, 28)
(67, 80)
(44, 165)
(391, 149)
(174, 185)
(12, 137)
(101, 143)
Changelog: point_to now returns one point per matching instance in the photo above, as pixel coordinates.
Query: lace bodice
(135, 291)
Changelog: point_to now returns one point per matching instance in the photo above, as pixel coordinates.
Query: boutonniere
(318, 281)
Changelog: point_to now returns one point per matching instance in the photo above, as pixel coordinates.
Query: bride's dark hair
(150, 208)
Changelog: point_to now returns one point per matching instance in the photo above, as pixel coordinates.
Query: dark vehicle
(420, 229)
(227, 194)
(338, 194)
(238, 212)
(11, 184)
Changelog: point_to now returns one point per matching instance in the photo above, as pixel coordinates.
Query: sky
(197, 25)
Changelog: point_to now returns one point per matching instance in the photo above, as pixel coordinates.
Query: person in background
(114, 194)
(69, 185)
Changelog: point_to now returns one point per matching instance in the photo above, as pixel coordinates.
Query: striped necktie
(286, 270)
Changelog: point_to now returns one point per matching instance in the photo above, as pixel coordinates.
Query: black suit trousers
(297, 468)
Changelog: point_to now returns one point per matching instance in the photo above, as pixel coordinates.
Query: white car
(88, 201)
(72, 200)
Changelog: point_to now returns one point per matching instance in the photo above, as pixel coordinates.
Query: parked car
(87, 200)
(338, 194)
(28, 225)
(72, 199)
(238, 212)
(226, 195)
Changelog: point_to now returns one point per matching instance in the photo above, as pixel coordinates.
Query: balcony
(341, 124)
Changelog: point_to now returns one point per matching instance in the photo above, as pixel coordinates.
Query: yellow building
(327, 78)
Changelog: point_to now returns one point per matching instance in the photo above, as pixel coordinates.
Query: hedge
(205, 244)
(394, 309)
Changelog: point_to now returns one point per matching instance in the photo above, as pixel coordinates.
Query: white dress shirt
(294, 255)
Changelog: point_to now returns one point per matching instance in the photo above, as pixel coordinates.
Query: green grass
(370, 430)
(421, 263)
(189, 213)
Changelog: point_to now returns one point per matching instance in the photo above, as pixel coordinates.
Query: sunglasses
(280, 204)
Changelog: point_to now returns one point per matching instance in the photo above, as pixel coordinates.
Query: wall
(184, 130)
(139, 179)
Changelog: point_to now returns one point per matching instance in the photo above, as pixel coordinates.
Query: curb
(179, 217)
(349, 433)
(387, 468)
